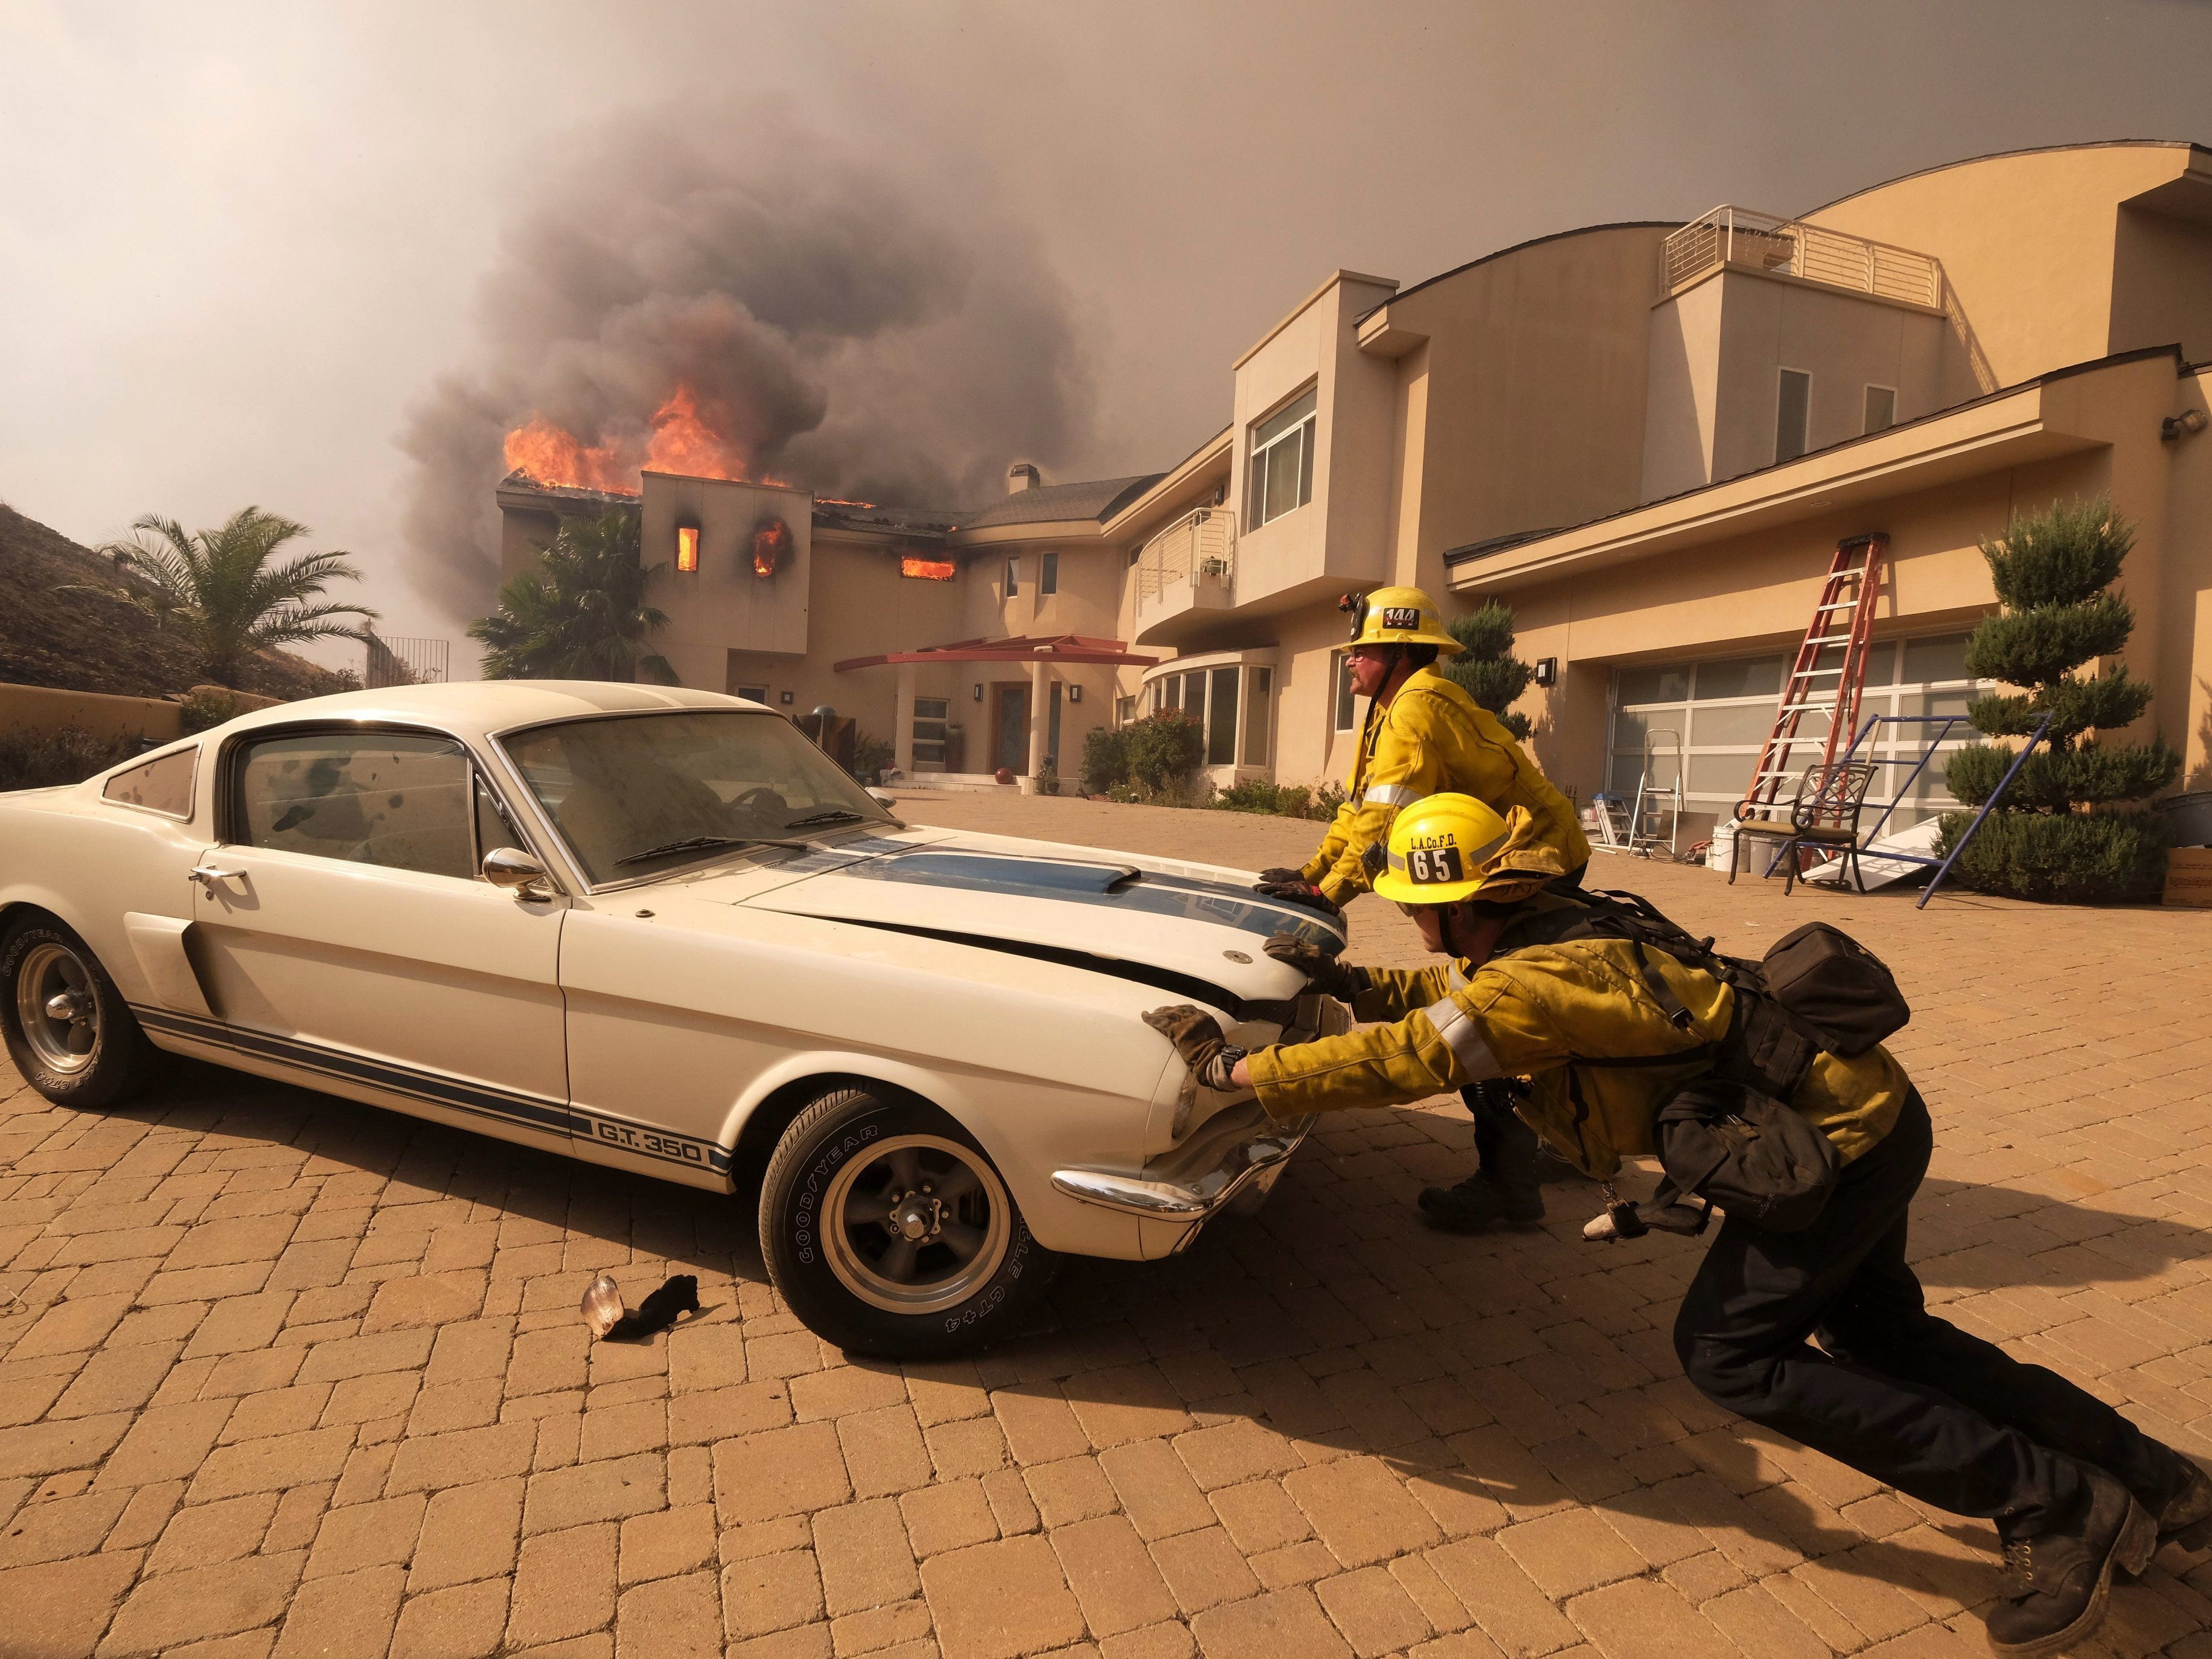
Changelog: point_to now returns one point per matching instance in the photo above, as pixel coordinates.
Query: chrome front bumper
(1226, 1160)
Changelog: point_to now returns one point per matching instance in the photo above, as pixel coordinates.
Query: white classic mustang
(660, 930)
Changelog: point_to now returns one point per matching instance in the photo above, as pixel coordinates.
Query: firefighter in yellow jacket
(1598, 1032)
(1423, 735)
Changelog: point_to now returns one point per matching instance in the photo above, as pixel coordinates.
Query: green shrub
(2060, 857)
(205, 705)
(1163, 750)
(1485, 667)
(1105, 759)
(869, 756)
(41, 760)
(2055, 780)
(2050, 570)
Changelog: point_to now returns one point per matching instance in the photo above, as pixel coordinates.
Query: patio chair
(1824, 813)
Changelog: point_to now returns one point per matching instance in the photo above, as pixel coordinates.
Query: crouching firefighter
(1764, 1086)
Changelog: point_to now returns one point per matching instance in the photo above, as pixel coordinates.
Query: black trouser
(1899, 1395)
(1505, 1147)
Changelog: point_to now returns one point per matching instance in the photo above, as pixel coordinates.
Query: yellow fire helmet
(1449, 847)
(1397, 616)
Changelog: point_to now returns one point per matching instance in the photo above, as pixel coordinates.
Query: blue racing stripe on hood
(1115, 886)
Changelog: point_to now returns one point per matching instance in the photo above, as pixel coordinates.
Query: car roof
(476, 708)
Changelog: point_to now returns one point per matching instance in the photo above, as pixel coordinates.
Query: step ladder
(1827, 676)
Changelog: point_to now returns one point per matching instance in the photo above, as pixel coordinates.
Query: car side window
(162, 785)
(394, 800)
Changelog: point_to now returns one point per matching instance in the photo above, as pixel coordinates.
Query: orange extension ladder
(1843, 618)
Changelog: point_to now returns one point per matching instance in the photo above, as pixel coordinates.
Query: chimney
(1022, 475)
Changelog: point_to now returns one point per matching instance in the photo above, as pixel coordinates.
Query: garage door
(1719, 711)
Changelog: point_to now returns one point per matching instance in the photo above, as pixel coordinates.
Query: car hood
(1189, 929)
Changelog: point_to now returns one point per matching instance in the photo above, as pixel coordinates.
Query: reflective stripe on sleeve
(1453, 978)
(1390, 794)
(1464, 1039)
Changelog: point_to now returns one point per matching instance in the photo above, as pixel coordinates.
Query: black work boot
(2182, 1505)
(2058, 1581)
(1482, 1204)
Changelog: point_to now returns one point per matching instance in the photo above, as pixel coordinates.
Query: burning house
(1649, 439)
(969, 641)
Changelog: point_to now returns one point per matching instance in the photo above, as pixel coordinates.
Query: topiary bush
(1485, 667)
(2054, 834)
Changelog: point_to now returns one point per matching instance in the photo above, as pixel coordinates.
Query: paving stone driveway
(287, 1374)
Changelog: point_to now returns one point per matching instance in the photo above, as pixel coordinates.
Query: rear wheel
(67, 1027)
(889, 1231)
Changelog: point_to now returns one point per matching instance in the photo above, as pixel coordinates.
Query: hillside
(88, 642)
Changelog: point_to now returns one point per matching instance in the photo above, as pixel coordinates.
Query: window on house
(1193, 695)
(930, 715)
(1125, 710)
(1049, 575)
(1282, 463)
(1259, 714)
(928, 570)
(1346, 716)
(757, 693)
(687, 548)
(1221, 728)
(1793, 402)
(1013, 577)
(1881, 408)
(1167, 694)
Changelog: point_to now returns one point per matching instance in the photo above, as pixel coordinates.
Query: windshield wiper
(704, 843)
(834, 815)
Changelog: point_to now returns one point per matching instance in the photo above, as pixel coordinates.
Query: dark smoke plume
(847, 329)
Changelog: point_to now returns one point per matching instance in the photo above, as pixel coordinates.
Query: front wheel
(67, 1027)
(890, 1232)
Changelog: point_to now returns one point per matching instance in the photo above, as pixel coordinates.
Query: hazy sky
(239, 244)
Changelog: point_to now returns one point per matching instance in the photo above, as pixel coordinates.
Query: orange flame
(544, 452)
(681, 442)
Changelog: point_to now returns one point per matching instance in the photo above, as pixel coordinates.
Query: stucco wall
(1533, 414)
(2027, 243)
(42, 709)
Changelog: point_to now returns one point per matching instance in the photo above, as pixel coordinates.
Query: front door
(343, 930)
(1010, 729)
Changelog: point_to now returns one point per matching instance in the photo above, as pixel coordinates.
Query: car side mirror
(518, 872)
(882, 798)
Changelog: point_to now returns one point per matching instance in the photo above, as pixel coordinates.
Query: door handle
(207, 875)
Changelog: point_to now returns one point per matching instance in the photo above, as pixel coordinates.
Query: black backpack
(1731, 1137)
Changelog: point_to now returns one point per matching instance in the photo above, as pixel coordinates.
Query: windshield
(643, 794)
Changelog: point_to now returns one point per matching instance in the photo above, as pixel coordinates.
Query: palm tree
(229, 591)
(581, 614)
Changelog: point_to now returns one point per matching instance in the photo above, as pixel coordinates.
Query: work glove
(1330, 975)
(1198, 1038)
(1299, 891)
(1277, 875)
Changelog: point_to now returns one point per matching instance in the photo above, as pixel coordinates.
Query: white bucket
(1723, 845)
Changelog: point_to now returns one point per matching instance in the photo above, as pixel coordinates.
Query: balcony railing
(1737, 236)
(1195, 554)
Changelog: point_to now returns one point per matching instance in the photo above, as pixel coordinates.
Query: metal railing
(1199, 549)
(401, 661)
(1787, 247)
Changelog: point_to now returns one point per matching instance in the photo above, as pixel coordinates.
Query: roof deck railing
(1197, 550)
(1789, 248)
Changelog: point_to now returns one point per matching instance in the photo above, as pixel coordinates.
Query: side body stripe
(539, 1113)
